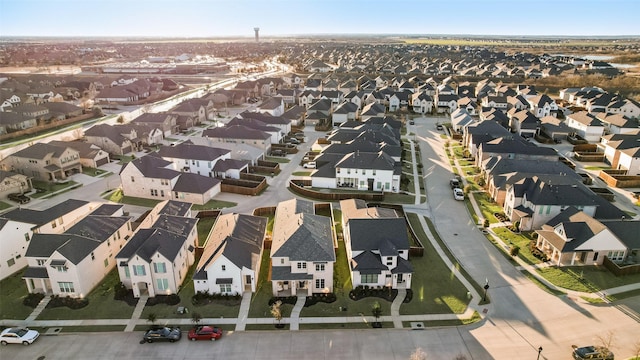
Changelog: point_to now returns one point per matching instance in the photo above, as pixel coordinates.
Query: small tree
(152, 318)
(376, 311)
(97, 111)
(196, 318)
(276, 311)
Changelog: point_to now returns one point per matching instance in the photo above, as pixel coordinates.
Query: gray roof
(516, 146)
(97, 227)
(284, 273)
(72, 247)
(363, 160)
(236, 132)
(40, 217)
(152, 166)
(107, 209)
(176, 208)
(188, 150)
(385, 234)
(40, 151)
(546, 192)
(368, 263)
(238, 237)
(194, 183)
(176, 224)
(147, 242)
(35, 273)
(626, 231)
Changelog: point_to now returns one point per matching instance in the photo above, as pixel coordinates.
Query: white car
(309, 165)
(458, 194)
(22, 336)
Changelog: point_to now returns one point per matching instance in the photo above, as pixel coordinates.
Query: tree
(196, 318)
(152, 318)
(376, 311)
(97, 111)
(276, 311)
(604, 341)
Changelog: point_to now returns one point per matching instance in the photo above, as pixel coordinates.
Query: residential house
(74, 262)
(377, 245)
(514, 147)
(273, 106)
(617, 123)
(44, 162)
(524, 123)
(302, 250)
(459, 119)
(574, 238)
(543, 105)
(446, 103)
(372, 110)
(115, 140)
(585, 125)
(554, 128)
(156, 259)
(240, 134)
(91, 156)
(344, 112)
(421, 102)
(203, 160)
(231, 259)
(11, 122)
(622, 151)
(166, 122)
(152, 177)
(496, 102)
(11, 183)
(18, 226)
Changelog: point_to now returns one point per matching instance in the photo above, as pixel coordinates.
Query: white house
(230, 262)
(157, 259)
(74, 262)
(622, 151)
(302, 250)
(18, 226)
(586, 125)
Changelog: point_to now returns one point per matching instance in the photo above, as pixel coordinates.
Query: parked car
(454, 183)
(293, 141)
(205, 333)
(592, 352)
(162, 334)
(412, 122)
(277, 152)
(458, 194)
(19, 198)
(439, 126)
(18, 335)
(309, 165)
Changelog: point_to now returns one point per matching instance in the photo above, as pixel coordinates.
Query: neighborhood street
(520, 318)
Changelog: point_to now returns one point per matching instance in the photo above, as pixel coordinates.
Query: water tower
(257, 31)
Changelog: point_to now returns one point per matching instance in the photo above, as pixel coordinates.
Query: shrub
(514, 250)
(71, 303)
(32, 300)
(173, 299)
(316, 298)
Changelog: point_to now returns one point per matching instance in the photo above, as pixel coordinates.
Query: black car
(19, 198)
(592, 353)
(162, 334)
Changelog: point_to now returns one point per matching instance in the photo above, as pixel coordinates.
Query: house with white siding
(302, 250)
(585, 125)
(156, 259)
(231, 259)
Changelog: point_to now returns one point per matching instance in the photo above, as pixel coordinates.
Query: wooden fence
(243, 187)
(298, 187)
(619, 179)
(618, 270)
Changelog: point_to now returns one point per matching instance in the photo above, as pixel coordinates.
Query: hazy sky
(210, 18)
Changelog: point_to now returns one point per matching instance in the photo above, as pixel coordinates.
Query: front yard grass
(46, 189)
(118, 196)
(521, 240)
(488, 207)
(4, 205)
(12, 292)
(214, 204)
(204, 228)
(435, 288)
(93, 171)
(350, 325)
(101, 304)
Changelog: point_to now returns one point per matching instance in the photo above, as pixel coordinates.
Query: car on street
(592, 353)
(19, 198)
(439, 126)
(309, 165)
(205, 332)
(162, 334)
(458, 194)
(18, 335)
(293, 141)
(412, 122)
(454, 183)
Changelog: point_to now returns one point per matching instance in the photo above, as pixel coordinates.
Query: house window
(133, 179)
(225, 288)
(379, 185)
(66, 287)
(127, 274)
(162, 284)
(302, 265)
(374, 172)
(164, 182)
(162, 193)
(11, 262)
(93, 256)
(53, 224)
(319, 267)
(139, 270)
(615, 255)
(61, 268)
(389, 261)
(319, 283)
(26, 236)
(368, 278)
(281, 261)
(106, 262)
(337, 170)
(154, 192)
(41, 262)
(548, 209)
(159, 268)
(224, 267)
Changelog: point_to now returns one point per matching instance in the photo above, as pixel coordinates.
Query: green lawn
(301, 173)
(624, 295)
(436, 323)
(521, 240)
(4, 205)
(399, 198)
(93, 171)
(49, 188)
(282, 160)
(216, 309)
(595, 277)
(204, 227)
(540, 284)
(488, 207)
(359, 325)
(214, 204)
(435, 289)
(260, 299)
(12, 291)
(101, 304)
(119, 197)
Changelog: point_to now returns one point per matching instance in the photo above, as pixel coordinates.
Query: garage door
(126, 150)
(102, 161)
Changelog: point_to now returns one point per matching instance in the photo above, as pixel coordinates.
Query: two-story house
(585, 125)
(230, 261)
(302, 250)
(156, 260)
(44, 162)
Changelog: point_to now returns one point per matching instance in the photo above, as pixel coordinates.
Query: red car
(205, 333)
